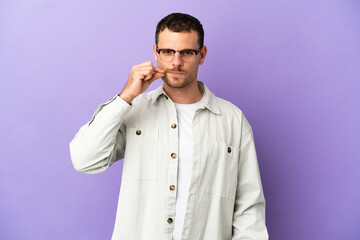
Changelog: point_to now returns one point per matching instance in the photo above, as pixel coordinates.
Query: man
(190, 168)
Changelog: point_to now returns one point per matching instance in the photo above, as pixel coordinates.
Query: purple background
(291, 66)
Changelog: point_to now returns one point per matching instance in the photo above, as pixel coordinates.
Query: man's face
(179, 73)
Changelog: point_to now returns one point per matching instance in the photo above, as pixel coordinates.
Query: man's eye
(166, 51)
(187, 53)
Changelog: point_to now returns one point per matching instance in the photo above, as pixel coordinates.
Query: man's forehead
(168, 37)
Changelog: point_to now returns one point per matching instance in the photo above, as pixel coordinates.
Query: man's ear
(155, 53)
(203, 53)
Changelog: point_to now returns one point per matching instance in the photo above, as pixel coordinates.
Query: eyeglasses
(167, 55)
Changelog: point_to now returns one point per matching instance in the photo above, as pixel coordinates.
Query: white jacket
(225, 199)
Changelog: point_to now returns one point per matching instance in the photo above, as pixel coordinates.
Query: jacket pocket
(140, 160)
(224, 171)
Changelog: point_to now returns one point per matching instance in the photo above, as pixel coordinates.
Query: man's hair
(180, 22)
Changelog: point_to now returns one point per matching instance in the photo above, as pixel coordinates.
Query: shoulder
(233, 113)
(228, 107)
(144, 99)
(145, 108)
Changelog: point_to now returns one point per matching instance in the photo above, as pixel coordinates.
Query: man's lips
(176, 73)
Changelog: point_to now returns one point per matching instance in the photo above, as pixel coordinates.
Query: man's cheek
(161, 66)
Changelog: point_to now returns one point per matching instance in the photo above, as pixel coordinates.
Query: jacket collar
(208, 101)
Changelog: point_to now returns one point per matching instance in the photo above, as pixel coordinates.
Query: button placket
(172, 168)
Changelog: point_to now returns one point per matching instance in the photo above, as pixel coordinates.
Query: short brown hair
(180, 22)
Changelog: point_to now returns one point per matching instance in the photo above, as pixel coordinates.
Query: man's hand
(140, 78)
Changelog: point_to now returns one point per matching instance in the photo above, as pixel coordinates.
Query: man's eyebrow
(188, 49)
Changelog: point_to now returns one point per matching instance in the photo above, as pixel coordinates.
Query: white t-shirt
(185, 115)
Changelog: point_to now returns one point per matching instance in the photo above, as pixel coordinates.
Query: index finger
(145, 64)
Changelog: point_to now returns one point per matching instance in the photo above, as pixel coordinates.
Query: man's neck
(186, 95)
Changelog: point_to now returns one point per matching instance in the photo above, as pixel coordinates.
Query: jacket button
(169, 220)
(172, 187)
(173, 125)
(229, 149)
(173, 155)
(138, 132)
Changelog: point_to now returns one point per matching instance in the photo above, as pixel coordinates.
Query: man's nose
(177, 60)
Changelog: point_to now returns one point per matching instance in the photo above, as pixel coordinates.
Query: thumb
(157, 69)
(156, 75)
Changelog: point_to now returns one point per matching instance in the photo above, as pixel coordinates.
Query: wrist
(127, 98)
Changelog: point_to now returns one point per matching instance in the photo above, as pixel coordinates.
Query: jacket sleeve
(249, 210)
(101, 142)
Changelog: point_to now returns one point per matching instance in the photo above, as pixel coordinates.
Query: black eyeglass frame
(180, 51)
